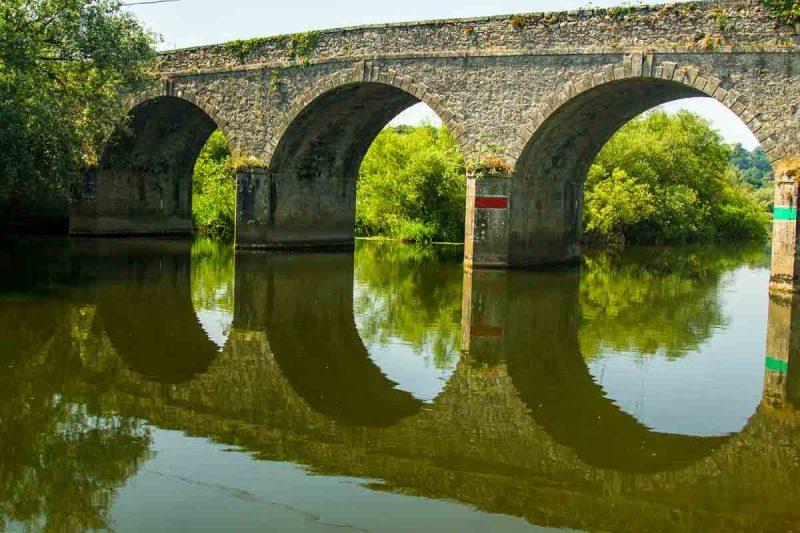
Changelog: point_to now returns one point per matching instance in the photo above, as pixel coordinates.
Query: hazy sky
(195, 22)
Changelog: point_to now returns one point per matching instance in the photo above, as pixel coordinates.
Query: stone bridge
(530, 99)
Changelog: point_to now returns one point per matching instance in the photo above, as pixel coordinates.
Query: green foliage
(785, 10)
(619, 12)
(412, 186)
(302, 45)
(653, 301)
(489, 165)
(247, 163)
(274, 81)
(62, 66)
(214, 189)
(668, 179)
(212, 275)
(721, 20)
(243, 47)
(412, 293)
(754, 167)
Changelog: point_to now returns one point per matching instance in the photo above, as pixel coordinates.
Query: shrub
(214, 189)
(412, 186)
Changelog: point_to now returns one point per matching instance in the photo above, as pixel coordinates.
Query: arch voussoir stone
(366, 72)
(632, 66)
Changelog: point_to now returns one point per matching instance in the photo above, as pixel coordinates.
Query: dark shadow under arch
(305, 305)
(308, 196)
(143, 183)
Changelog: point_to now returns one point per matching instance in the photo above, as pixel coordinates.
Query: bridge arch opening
(309, 190)
(546, 215)
(143, 181)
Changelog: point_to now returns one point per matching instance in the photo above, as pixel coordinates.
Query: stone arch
(167, 88)
(306, 197)
(640, 66)
(142, 183)
(364, 72)
(560, 139)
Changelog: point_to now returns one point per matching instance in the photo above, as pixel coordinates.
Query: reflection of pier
(503, 434)
(783, 352)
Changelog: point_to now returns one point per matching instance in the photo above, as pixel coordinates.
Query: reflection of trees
(656, 300)
(412, 293)
(212, 275)
(60, 462)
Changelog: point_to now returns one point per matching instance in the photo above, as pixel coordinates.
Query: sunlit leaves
(412, 186)
(667, 179)
(214, 189)
(63, 64)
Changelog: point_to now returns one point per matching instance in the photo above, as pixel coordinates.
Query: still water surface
(169, 385)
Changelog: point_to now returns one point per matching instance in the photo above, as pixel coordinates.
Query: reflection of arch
(145, 306)
(143, 183)
(307, 312)
(314, 156)
(558, 143)
(549, 372)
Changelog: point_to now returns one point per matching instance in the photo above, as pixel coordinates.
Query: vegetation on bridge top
(785, 10)
(299, 46)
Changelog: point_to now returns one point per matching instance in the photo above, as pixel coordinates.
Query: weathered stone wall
(745, 25)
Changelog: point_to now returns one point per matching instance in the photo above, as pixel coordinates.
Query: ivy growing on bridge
(302, 45)
(243, 47)
(785, 10)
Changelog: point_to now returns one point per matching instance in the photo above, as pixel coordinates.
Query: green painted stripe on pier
(776, 365)
(785, 213)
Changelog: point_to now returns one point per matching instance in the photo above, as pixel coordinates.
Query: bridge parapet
(698, 27)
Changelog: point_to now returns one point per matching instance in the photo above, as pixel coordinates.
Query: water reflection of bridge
(520, 428)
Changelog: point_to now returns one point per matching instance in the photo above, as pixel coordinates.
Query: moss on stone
(247, 163)
(787, 11)
(243, 47)
(302, 45)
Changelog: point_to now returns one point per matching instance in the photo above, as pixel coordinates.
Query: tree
(412, 293)
(63, 64)
(214, 189)
(668, 179)
(412, 186)
(657, 301)
(754, 167)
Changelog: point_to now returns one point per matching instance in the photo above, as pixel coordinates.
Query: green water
(162, 385)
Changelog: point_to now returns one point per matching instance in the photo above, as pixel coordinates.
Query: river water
(162, 385)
